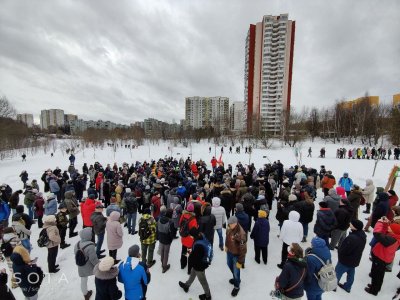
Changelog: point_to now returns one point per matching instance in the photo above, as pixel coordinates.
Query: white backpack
(327, 280)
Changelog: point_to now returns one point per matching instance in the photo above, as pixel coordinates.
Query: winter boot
(304, 240)
(63, 246)
(235, 291)
(204, 297)
(149, 265)
(367, 211)
(184, 286)
(88, 295)
(166, 268)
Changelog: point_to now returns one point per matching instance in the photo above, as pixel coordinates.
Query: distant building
(396, 101)
(80, 125)
(70, 117)
(236, 117)
(203, 112)
(25, 118)
(370, 100)
(51, 118)
(268, 74)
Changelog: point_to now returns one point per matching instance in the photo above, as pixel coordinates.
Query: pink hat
(190, 207)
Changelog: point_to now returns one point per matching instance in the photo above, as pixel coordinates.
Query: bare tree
(6, 109)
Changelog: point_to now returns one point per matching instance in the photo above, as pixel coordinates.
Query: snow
(257, 280)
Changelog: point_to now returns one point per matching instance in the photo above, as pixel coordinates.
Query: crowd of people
(169, 199)
(368, 153)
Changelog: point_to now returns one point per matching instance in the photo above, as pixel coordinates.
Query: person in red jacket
(99, 181)
(392, 202)
(213, 163)
(195, 170)
(188, 217)
(387, 242)
(156, 204)
(87, 208)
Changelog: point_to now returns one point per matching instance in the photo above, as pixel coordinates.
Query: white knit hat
(49, 219)
(292, 197)
(106, 264)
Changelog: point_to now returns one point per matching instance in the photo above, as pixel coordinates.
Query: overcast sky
(124, 61)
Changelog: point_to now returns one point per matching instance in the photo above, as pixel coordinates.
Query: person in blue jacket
(320, 249)
(346, 182)
(50, 205)
(133, 275)
(4, 213)
(260, 235)
(243, 218)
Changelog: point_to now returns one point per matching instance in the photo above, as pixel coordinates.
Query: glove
(239, 265)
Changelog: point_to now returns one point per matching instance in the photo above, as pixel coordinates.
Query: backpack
(80, 257)
(7, 248)
(184, 226)
(208, 250)
(43, 239)
(144, 229)
(327, 280)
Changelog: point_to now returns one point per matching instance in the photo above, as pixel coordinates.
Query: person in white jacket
(369, 195)
(291, 232)
(220, 217)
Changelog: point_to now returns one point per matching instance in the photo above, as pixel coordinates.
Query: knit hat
(133, 251)
(127, 190)
(106, 264)
(323, 204)
(232, 220)
(357, 224)
(317, 242)
(62, 205)
(292, 197)
(239, 207)
(49, 219)
(262, 214)
(395, 228)
(190, 207)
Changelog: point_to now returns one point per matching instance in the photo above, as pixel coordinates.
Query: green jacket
(29, 198)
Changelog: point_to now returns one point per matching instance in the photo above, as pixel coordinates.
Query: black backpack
(43, 239)
(144, 229)
(80, 257)
(7, 248)
(184, 227)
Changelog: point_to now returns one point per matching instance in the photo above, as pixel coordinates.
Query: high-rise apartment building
(25, 118)
(69, 117)
(268, 74)
(236, 117)
(203, 112)
(51, 118)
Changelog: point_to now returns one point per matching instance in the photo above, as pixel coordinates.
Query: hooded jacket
(387, 243)
(226, 197)
(165, 230)
(132, 275)
(369, 191)
(106, 284)
(291, 275)
(260, 233)
(53, 234)
(153, 227)
(351, 249)
(219, 213)
(346, 183)
(320, 249)
(236, 242)
(50, 206)
(381, 208)
(130, 203)
(292, 230)
(114, 232)
(87, 208)
(187, 241)
(90, 252)
(99, 222)
(72, 204)
(343, 217)
(333, 200)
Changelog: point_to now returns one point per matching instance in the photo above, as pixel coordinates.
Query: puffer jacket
(260, 232)
(99, 222)
(53, 234)
(226, 199)
(90, 252)
(381, 208)
(133, 275)
(106, 284)
(50, 207)
(187, 241)
(165, 230)
(306, 209)
(29, 198)
(293, 275)
(292, 230)
(325, 223)
(153, 228)
(332, 199)
(114, 231)
(20, 230)
(387, 243)
(130, 203)
(54, 187)
(369, 191)
(207, 223)
(328, 181)
(219, 213)
(87, 208)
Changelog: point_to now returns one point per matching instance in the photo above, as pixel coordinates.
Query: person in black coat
(106, 280)
(207, 222)
(197, 266)
(166, 232)
(343, 217)
(350, 253)
(381, 208)
(260, 235)
(306, 209)
(291, 280)
(5, 291)
(325, 222)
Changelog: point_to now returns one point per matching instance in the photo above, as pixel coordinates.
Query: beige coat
(53, 234)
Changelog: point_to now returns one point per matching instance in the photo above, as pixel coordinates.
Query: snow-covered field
(257, 280)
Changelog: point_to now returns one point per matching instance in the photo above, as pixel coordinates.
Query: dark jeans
(131, 222)
(284, 253)
(113, 253)
(305, 229)
(164, 249)
(63, 233)
(184, 259)
(377, 274)
(40, 221)
(100, 239)
(72, 225)
(231, 260)
(264, 251)
(51, 258)
(340, 270)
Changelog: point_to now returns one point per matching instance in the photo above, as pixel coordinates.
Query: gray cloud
(130, 60)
